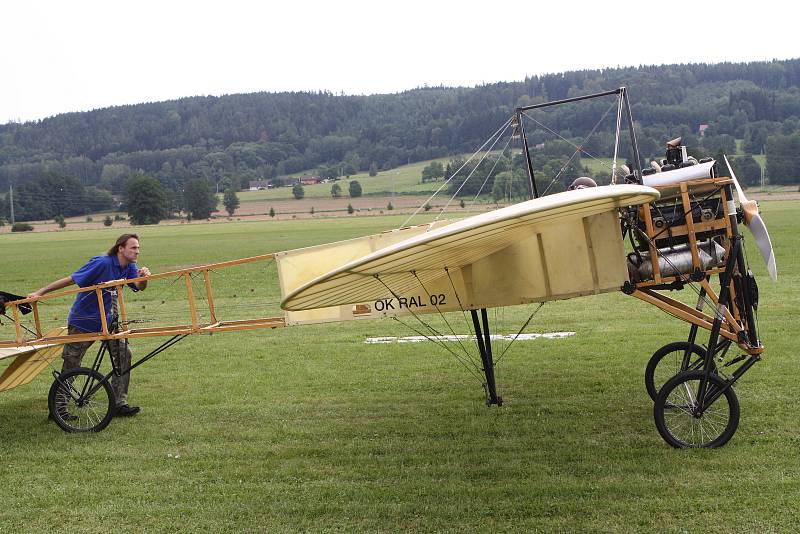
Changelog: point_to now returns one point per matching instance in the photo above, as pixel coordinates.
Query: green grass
(596, 165)
(308, 428)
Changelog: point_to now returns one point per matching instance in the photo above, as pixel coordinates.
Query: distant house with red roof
(310, 180)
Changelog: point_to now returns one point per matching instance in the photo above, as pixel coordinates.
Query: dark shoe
(124, 410)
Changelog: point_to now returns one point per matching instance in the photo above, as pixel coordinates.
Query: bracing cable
(475, 168)
(498, 132)
(524, 326)
(437, 336)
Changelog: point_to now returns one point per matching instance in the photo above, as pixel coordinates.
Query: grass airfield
(309, 428)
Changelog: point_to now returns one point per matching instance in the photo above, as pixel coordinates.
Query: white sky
(60, 56)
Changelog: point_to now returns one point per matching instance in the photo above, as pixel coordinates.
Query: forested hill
(265, 135)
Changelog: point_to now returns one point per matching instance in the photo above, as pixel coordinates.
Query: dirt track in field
(334, 206)
(284, 210)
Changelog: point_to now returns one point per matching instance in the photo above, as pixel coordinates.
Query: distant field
(403, 179)
(310, 429)
(596, 165)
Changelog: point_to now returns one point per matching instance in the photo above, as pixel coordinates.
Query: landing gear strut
(485, 347)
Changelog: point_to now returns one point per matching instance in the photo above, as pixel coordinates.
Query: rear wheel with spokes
(670, 360)
(81, 400)
(684, 421)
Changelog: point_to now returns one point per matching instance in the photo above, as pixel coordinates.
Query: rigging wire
(436, 334)
(436, 305)
(488, 175)
(485, 155)
(525, 325)
(463, 311)
(442, 344)
(495, 134)
(616, 140)
(578, 148)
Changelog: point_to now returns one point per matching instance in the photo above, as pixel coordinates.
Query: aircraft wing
(29, 361)
(558, 246)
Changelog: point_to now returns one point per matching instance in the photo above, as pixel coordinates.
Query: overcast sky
(58, 56)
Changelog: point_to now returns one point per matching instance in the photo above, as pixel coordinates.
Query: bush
(231, 201)
(108, 221)
(21, 227)
(390, 207)
(428, 206)
(350, 209)
(272, 212)
(354, 189)
(119, 217)
(59, 220)
(89, 218)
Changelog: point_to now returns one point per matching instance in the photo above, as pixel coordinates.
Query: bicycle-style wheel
(668, 361)
(80, 400)
(686, 422)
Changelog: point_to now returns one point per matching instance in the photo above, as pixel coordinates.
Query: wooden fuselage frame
(194, 326)
(733, 320)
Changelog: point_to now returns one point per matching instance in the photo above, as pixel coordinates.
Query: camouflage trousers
(121, 353)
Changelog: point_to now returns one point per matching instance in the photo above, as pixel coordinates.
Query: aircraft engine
(674, 260)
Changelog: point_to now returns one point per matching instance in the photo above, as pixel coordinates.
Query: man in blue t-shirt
(84, 316)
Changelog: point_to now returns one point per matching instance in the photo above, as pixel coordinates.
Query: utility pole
(11, 199)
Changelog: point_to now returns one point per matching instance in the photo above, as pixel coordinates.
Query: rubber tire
(662, 405)
(79, 376)
(657, 359)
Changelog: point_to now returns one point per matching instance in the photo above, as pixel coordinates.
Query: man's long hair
(121, 242)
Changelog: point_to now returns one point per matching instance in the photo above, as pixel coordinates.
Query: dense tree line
(51, 195)
(4, 209)
(230, 140)
(783, 158)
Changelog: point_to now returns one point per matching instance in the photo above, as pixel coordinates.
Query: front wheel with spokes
(686, 421)
(81, 400)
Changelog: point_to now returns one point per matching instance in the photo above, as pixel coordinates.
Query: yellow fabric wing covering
(28, 362)
(555, 247)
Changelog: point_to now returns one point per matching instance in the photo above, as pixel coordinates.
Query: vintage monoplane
(678, 214)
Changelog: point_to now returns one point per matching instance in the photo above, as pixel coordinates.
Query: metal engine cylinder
(675, 260)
